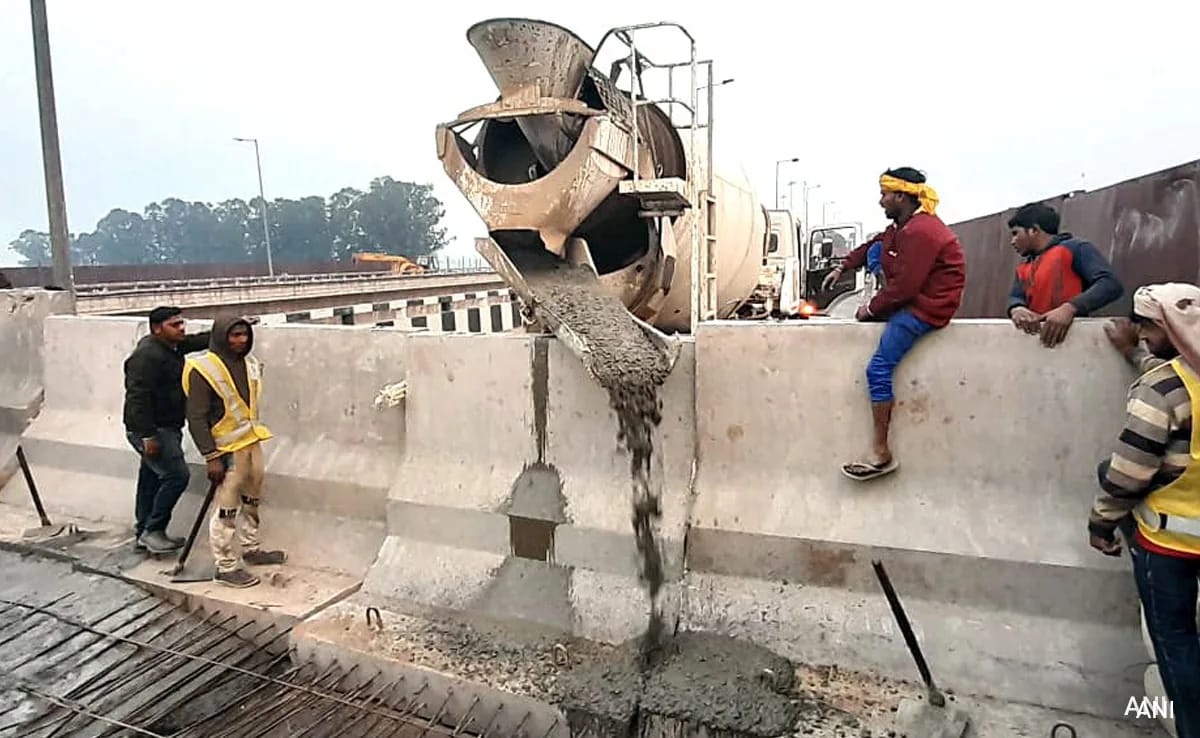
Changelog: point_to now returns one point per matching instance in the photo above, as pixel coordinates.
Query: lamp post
(807, 188)
(793, 160)
(824, 211)
(262, 196)
(56, 204)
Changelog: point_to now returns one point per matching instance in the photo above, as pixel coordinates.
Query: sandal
(862, 471)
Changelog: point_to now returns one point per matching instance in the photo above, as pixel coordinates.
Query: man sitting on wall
(1059, 278)
(924, 274)
(1153, 477)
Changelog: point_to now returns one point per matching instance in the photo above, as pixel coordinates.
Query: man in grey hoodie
(223, 386)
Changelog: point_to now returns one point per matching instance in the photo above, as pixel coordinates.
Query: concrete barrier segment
(328, 467)
(983, 527)
(22, 313)
(513, 498)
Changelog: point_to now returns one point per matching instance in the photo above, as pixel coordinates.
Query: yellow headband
(925, 194)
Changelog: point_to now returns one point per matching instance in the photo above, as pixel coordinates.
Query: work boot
(239, 578)
(261, 558)
(173, 539)
(157, 543)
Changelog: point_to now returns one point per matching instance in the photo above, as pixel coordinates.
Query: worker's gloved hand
(1026, 320)
(151, 448)
(831, 279)
(216, 471)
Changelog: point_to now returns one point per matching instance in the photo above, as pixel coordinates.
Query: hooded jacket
(204, 406)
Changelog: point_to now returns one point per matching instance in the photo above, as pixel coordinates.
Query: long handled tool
(199, 573)
(61, 533)
(915, 719)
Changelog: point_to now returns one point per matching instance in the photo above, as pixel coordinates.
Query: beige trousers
(237, 498)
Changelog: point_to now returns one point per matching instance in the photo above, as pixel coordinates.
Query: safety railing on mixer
(702, 265)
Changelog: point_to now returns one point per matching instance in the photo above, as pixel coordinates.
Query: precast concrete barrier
(513, 500)
(328, 467)
(982, 529)
(22, 313)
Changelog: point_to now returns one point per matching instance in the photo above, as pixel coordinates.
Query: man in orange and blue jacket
(1060, 277)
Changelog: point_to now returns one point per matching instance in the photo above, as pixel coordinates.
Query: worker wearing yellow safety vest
(223, 386)
(1151, 484)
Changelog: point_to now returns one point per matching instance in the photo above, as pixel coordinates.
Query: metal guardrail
(150, 286)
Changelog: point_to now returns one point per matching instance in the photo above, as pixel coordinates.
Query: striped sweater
(1153, 448)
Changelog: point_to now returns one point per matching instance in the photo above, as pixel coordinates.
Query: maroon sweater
(924, 268)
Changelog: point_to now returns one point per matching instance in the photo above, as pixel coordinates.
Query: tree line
(390, 216)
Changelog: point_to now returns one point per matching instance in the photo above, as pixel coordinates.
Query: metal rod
(80, 710)
(33, 490)
(242, 699)
(176, 684)
(191, 539)
(364, 715)
(935, 696)
(354, 695)
(252, 719)
(56, 202)
(27, 626)
(58, 644)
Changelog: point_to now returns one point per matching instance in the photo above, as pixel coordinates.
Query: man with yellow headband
(1152, 481)
(924, 274)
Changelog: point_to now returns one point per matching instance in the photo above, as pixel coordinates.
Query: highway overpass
(324, 297)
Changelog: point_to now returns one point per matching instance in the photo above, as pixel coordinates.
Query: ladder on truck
(665, 197)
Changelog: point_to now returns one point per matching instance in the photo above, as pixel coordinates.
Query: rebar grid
(150, 668)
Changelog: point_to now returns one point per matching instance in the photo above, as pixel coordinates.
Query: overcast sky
(998, 102)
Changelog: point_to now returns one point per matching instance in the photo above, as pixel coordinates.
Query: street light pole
(262, 196)
(781, 161)
(824, 207)
(808, 189)
(56, 202)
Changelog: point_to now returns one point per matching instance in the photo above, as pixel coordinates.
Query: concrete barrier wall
(983, 528)
(22, 313)
(513, 499)
(328, 468)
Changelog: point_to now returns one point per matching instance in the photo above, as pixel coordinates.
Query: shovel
(198, 572)
(932, 718)
(62, 533)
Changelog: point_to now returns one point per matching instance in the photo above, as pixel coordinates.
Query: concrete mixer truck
(602, 174)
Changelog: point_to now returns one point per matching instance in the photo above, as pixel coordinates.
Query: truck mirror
(773, 243)
(827, 248)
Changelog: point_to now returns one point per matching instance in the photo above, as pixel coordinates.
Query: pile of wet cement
(631, 369)
(695, 679)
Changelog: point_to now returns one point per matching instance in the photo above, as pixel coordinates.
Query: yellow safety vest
(239, 427)
(1170, 516)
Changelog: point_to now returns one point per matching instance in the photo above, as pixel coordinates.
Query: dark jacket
(1067, 270)
(153, 393)
(205, 408)
(923, 267)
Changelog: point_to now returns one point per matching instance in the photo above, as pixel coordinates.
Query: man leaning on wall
(153, 415)
(1152, 482)
(223, 387)
(1060, 277)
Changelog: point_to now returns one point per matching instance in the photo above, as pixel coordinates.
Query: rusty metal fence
(1148, 227)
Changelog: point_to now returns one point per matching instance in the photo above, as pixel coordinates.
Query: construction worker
(153, 416)
(1060, 277)
(924, 273)
(1153, 477)
(223, 387)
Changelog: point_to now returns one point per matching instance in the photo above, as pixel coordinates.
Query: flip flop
(862, 471)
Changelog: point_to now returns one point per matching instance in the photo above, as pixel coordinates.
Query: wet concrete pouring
(664, 683)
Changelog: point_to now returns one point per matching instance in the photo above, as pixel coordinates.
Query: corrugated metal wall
(1148, 227)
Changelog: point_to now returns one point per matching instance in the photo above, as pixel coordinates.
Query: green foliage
(390, 217)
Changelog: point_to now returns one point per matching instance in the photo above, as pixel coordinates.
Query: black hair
(160, 315)
(908, 174)
(1036, 215)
